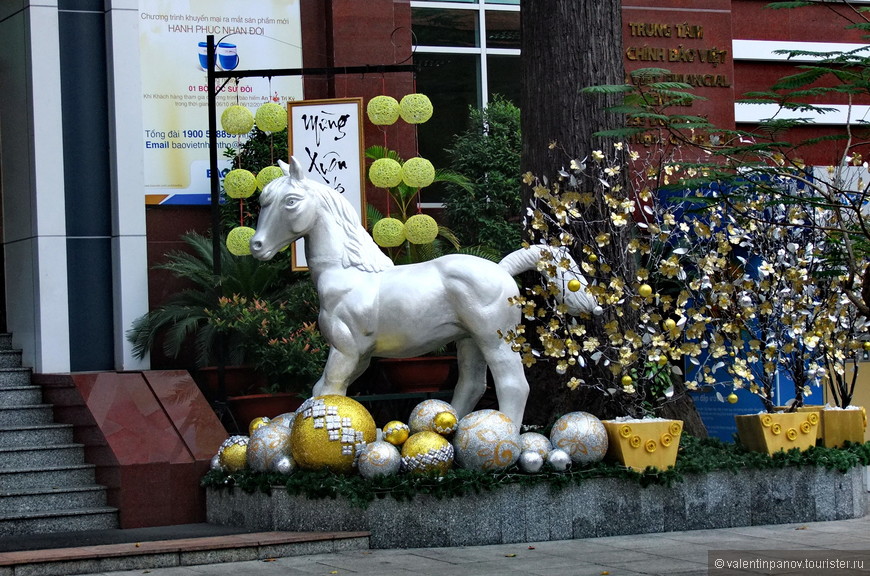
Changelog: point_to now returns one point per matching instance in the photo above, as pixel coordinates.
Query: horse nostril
(256, 245)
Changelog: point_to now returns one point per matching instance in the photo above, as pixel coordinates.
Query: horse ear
(293, 169)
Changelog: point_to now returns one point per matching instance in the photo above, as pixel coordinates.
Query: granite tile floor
(671, 553)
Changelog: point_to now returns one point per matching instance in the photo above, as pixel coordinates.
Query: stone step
(67, 520)
(26, 415)
(13, 396)
(40, 456)
(35, 499)
(42, 435)
(15, 377)
(10, 358)
(5, 341)
(47, 476)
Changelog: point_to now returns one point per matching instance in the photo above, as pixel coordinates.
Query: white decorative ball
(534, 442)
(581, 435)
(423, 415)
(379, 459)
(284, 465)
(530, 462)
(486, 440)
(286, 419)
(559, 459)
(267, 445)
(215, 463)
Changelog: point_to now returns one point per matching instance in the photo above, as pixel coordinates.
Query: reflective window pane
(502, 29)
(433, 27)
(504, 77)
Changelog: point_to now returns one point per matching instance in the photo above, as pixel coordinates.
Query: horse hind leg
(511, 386)
(472, 377)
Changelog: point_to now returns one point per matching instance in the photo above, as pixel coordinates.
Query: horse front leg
(342, 368)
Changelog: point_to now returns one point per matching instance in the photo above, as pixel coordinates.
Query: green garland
(695, 456)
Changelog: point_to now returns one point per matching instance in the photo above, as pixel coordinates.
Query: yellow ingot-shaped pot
(770, 433)
(638, 444)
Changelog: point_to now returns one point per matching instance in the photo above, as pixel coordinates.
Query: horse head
(288, 211)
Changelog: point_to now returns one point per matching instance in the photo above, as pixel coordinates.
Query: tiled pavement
(672, 553)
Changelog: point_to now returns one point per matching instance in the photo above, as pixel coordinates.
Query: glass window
(504, 77)
(434, 27)
(502, 29)
(452, 83)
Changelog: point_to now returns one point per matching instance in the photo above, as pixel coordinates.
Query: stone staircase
(45, 484)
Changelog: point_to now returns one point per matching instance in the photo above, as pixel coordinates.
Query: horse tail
(536, 257)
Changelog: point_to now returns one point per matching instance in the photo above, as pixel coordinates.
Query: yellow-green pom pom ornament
(240, 183)
(271, 117)
(383, 110)
(415, 108)
(421, 229)
(239, 240)
(268, 174)
(389, 232)
(418, 172)
(237, 120)
(385, 173)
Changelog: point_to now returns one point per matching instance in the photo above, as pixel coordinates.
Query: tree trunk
(566, 45)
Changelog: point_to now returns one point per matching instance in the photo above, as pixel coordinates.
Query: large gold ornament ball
(581, 435)
(233, 453)
(423, 415)
(487, 440)
(535, 442)
(267, 446)
(329, 432)
(396, 432)
(427, 452)
(379, 459)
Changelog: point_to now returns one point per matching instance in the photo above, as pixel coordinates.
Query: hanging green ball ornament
(240, 183)
(271, 117)
(421, 229)
(415, 108)
(389, 232)
(268, 174)
(237, 120)
(383, 110)
(418, 172)
(385, 173)
(239, 240)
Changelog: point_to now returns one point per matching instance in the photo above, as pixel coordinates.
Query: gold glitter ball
(396, 432)
(329, 432)
(426, 452)
(233, 453)
(256, 423)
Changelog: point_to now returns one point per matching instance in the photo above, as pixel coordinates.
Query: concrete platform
(171, 546)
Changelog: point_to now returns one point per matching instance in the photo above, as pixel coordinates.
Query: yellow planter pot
(638, 444)
(839, 426)
(771, 433)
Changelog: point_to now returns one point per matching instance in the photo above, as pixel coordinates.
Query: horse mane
(360, 251)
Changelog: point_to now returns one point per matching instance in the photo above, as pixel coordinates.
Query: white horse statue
(369, 307)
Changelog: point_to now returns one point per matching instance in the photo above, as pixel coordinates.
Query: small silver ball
(216, 462)
(558, 459)
(284, 465)
(530, 462)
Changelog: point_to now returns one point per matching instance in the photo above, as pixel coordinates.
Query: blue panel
(84, 102)
(89, 276)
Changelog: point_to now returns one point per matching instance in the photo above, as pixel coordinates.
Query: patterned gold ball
(426, 452)
(445, 423)
(329, 432)
(233, 453)
(487, 440)
(581, 435)
(396, 433)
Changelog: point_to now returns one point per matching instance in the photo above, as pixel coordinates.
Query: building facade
(78, 237)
